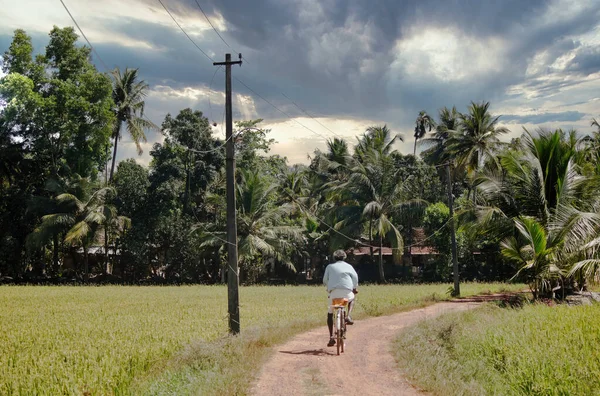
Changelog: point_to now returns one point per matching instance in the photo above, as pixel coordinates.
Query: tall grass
(123, 340)
(536, 350)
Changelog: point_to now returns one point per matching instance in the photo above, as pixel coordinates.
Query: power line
(278, 109)
(216, 31)
(231, 48)
(209, 101)
(237, 79)
(107, 70)
(84, 36)
(366, 244)
(213, 26)
(213, 150)
(305, 112)
(184, 32)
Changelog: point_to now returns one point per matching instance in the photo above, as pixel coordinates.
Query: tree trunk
(116, 135)
(55, 262)
(381, 272)
(415, 150)
(106, 249)
(408, 248)
(85, 264)
(371, 239)
(186, 195)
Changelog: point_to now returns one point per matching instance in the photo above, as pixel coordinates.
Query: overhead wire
(213, 26)
(184, 32)
(84, 36)
(236, 78)
(306, 210)
(211, 59)
(308, 114)
(106, 69)
(287, 97)
(278, 109)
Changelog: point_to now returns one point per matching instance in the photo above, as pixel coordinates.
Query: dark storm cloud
(277, 28)
(335, 58)
(586, 61)
(307, 50)
(566, 116)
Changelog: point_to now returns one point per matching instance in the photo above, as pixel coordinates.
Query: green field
(158, 340)
(536, 350)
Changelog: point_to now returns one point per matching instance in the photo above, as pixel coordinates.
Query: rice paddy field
(165, 340)
(535, 350)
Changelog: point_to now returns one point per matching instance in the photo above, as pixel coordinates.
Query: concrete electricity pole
(453, 233)
(232, 252)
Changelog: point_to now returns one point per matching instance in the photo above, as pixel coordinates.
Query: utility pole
(232, 252)
(453, 233)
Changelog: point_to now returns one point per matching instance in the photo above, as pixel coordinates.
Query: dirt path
(306, 366)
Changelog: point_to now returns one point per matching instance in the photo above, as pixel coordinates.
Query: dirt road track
(306, 366)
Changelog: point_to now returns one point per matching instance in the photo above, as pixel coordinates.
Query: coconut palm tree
(376, 138)
(264, 229)
(331, 164)
(448, 123)
(537, 256)
(477, 141)
(556, 220)
(372, 193)
(79, 214)
(128, 95)
(337, 151)
(423, 124)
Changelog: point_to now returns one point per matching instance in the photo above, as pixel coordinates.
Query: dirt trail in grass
(306, 366)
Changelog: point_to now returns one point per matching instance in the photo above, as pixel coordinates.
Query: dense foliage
(528, 209)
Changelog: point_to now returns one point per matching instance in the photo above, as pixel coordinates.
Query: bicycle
(339, 308)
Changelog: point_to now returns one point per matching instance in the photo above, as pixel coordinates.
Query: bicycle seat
(339, 302)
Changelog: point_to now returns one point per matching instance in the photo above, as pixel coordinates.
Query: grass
(164, 340)
(535, 350)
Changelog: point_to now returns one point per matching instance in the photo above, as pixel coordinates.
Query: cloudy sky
(347, 63)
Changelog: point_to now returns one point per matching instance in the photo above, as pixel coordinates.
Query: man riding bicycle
(341, 281)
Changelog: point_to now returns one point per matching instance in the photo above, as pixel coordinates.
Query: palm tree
(376, 138)
(537, 256)
(294, 184)
(264, 231)
(79, 215)
(423, 124)
(592, 146)
(373, 192)
(337, 151)
(332, 163)
(556, 218)
(596, 124)
(112, 225)
(128, 95)
(437, 152)
(477, 140)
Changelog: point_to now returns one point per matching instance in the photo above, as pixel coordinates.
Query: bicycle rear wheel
(343, 330)
(338, 330)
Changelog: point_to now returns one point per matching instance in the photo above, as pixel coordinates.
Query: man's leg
(349, 317)
(330, 325)
(330, 321)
